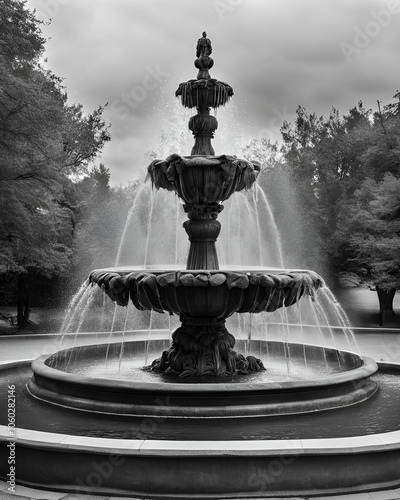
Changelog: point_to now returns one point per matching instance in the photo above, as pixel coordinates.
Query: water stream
(154, 223)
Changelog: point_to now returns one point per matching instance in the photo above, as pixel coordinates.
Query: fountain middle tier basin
(319, 379)
(206, 294)
(203, 179)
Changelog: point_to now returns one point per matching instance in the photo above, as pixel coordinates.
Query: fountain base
(159, 468)
(60, 379)
(201, 347)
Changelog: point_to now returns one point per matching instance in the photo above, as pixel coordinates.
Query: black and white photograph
(199, 249)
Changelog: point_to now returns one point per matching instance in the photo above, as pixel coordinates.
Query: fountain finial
(203, 62)
(204, 92)
(203, 48)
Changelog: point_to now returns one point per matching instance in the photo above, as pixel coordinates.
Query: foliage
(334, 162)
(44, 144)
(83, 139)
(21, 41)
(369, 233)
(263, 151)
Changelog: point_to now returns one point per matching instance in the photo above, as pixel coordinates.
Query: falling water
(146, 356)
(116, 309)
(302, 331)
(248, 219)
(177, 218)
(121, 352)
(128, 221)
(75, 312)
(149, 226)
(73, 307)
(340, 316)
(257, 219)
(286, 334)
(260, 192)
(91, 296)
(321, 311)
(156, 216)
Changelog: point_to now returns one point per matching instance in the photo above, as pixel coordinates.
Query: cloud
(276, 54)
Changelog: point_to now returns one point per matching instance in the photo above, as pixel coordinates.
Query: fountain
(203, 296)
(201, 420)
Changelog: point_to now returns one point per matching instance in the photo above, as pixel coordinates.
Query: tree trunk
(22, 302)
(385, 304)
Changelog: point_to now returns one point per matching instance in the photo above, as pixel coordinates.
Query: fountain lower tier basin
(206, 294)
(220, 467)
(318, 379)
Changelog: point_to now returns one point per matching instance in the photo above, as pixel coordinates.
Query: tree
(83, 138)
(345, 168)
(21, 40)
(264, 151)
(44, 144)
(374, 211)
(369, 234)
(311, 158)
(328, 160)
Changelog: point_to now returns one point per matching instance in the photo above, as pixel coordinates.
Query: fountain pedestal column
(203, 126)
(202, 234)
(203, 231)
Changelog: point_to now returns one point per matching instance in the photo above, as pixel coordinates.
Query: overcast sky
(276, 54)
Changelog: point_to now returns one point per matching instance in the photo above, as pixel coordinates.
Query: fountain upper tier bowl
(204, 93)
(206, 294)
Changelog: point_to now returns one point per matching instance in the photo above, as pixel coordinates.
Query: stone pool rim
(204, 400)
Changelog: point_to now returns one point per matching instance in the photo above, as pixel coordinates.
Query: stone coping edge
(148, 447)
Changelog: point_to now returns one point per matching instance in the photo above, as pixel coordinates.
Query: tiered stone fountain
(203, 295)
(201, 382)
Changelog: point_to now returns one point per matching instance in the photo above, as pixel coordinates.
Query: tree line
(345, 173)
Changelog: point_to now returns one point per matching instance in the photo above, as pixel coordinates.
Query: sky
(276, 54)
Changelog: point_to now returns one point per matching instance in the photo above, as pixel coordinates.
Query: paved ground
(23, 493)
(362, 307)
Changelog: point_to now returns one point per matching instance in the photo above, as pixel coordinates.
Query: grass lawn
(43, 320)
